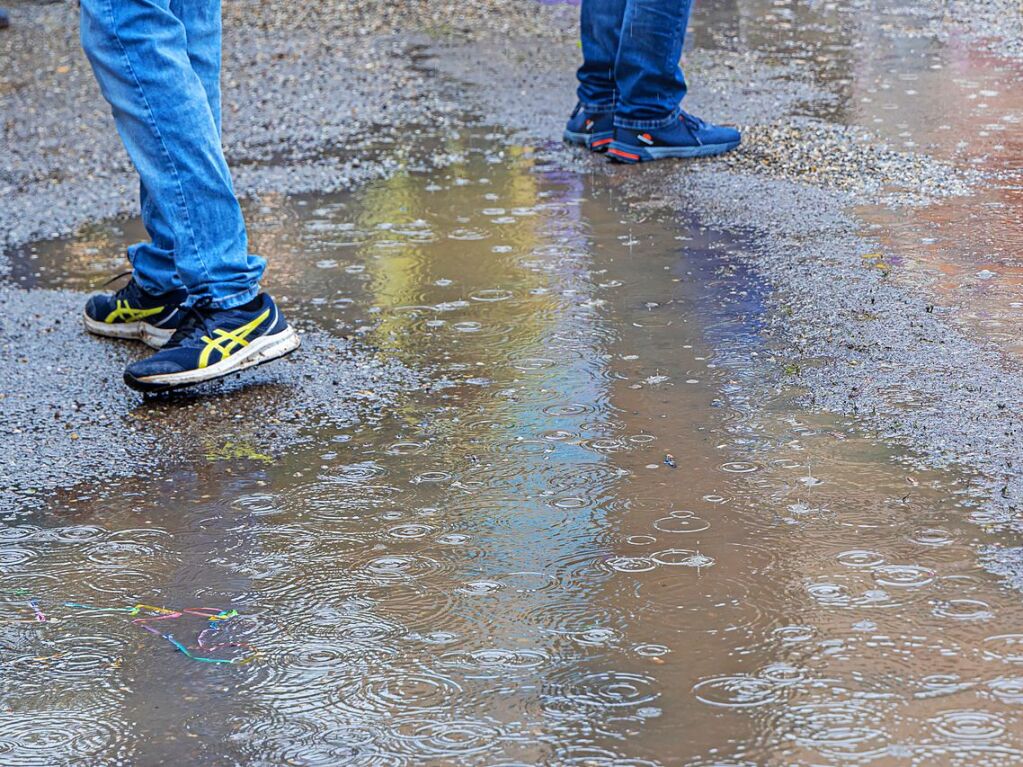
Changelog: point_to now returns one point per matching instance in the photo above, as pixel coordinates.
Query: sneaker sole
(628, 153)
(130, 331)
(155, 337)
(595, 142)
(260, 351)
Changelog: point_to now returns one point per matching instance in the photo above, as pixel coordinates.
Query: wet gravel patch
(997, 23)
(847, 159)
(1006, 561)
(67, 416)
(861, 342)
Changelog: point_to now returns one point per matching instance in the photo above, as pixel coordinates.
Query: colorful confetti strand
(214, 617)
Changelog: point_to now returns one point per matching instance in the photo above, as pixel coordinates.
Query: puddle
(507, 570)
(903, 72)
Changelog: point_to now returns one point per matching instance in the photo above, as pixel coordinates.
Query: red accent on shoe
(601, 142)
(620, 153)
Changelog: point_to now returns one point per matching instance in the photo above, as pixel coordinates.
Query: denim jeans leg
(139, 50)
(650, 82)
(153, 262)
(600, 26)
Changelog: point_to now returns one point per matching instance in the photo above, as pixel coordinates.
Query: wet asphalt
(315, 96)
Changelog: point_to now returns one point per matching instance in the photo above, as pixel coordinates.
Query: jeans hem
(649, 124)
(597, 109)
(228, 302)
(153, 285)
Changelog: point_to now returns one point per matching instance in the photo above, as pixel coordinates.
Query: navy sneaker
(591, 131)
(689, 136)
(131, 312)
(211, 343)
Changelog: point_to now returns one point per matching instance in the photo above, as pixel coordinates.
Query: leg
(649, 123)
(153, 261)
(203, 30)
(601, 26)
(647, 73)
(139, 51)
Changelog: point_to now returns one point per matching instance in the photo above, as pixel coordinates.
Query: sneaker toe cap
(153, 366)
(724, 134)
(96, 307)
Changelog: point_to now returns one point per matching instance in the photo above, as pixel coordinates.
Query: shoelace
(692, 121)
(194, 325)
(116, 277)
(129, 291)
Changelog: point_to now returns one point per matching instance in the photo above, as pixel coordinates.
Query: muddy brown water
(920, 84)
(505, 571)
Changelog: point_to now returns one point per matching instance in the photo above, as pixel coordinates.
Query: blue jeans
(631, 53)
(158, 64)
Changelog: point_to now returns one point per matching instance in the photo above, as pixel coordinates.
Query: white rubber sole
(154, 336)
(264, 349)
(150, 335)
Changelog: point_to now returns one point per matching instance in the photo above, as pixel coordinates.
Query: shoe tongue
(691, 120)
(131, 292)
(194, 326)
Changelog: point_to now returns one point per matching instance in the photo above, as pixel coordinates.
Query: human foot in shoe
(688, 136)
(131, 312)
(212, 343)
(593, 131)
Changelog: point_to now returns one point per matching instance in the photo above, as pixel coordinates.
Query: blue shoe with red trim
(689, 136)
(595, 132)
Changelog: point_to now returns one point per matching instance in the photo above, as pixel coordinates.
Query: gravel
(994, 24)
(68, 417)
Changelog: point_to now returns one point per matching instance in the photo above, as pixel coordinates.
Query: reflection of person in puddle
(194, 289)
(630, 85)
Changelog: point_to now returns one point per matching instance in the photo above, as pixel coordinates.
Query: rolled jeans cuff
(597, 109)
(648, 124)
(231, 301)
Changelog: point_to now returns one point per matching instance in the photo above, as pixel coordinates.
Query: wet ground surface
(580, 465)
(507, 569)
(865, 189)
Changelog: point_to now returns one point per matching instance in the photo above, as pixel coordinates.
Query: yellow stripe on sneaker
(125, 313)
(229, 341)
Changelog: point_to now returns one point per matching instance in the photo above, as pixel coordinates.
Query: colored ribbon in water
(215, 618)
